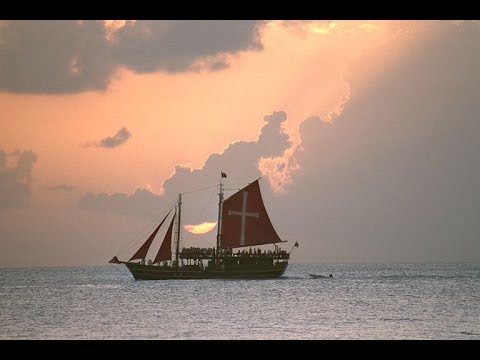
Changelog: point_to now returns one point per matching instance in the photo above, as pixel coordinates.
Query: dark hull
(153, 272)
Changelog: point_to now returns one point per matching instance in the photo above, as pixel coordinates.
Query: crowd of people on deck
(199, 253)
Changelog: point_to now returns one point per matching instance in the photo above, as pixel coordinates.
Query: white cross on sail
(244, 215)
(249, 210)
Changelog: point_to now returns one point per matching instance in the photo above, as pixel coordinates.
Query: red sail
(245, 221)
(165, 251)
(142, 252)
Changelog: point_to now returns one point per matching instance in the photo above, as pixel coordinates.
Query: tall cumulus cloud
(239, 160)
(396, 176)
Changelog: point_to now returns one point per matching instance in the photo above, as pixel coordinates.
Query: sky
(365, 134)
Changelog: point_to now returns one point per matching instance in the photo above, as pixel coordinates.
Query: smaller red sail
(165, 251)
(142, 252)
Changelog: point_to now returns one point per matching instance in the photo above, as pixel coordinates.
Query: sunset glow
(104, 130)
(202, 228)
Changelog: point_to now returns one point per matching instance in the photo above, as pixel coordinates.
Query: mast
(220, 204)
(177, 249)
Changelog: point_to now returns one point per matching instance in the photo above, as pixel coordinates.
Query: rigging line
(143, 232)
(137, 238)
(198, 217)
(199, 189)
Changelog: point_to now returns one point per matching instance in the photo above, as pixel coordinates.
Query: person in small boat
(331, 276)
(114, 260)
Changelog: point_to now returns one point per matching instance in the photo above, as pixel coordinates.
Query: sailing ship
(243, 222)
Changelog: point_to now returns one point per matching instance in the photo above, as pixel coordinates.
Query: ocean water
(362, 301)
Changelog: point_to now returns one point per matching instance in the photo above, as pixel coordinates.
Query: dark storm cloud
(15, 181)
(61, 187)
(396, 176)
(74, 56)
(239, 161)
(110, 142)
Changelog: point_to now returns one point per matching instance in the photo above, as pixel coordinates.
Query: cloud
(174, 46)
(239, 160)
(110, 142)
(14, 153)
(15, 181)
(395, 177)
(118, 139)
(142, 203)
(55, 57)
(61, 187)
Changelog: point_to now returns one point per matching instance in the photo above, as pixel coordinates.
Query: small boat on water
(315, 276)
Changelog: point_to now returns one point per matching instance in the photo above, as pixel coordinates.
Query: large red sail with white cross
(245, 221)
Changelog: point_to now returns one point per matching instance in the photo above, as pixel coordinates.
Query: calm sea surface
(362, 301)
